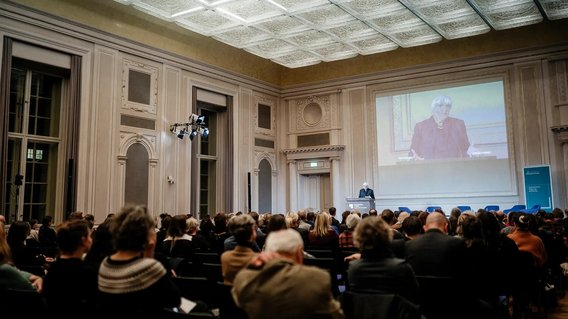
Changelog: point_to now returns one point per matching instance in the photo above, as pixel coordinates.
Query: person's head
(133, 229)
(73, 236)
(33, 223)
(373, 212)
(243, 227)
(388, 216)
(332, 211)
(178, 226)
(75, 215)
(292, 220)
(441, 107)
(352, 221)
(220, 221)
(18, 232)
(411, 226)
(365, 185)
(436, 221)
(401, 217)
(254, 216)
(276, 222)
(286, 242)
(522, 222)
(322, 224)
(192, 225)
(302, 215)
(372, 234)
(2, 219)
(46, 221)
(91, 219)
(471, 227)
(5, 252)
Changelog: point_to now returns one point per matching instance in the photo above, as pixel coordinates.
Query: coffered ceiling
(297, 33)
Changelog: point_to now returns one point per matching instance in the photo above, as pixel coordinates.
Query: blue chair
(405, 209)
(515, 208)
(490, 208)
(464, 208)
(533, 210)
(431, 209)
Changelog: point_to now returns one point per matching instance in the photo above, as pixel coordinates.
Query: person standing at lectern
(366, 191)
(440, 135)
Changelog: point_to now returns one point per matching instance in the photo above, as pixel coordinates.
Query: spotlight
(181, 134)
(200, 120)
(205, 132)
(192, 134)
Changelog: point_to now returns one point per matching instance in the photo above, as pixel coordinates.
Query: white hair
(441, 100)
(283, 241)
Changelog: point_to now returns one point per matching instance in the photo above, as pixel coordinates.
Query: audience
(275, 285)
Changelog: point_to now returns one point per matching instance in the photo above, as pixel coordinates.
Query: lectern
(362, 204)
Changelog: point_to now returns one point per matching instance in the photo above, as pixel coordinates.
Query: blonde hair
(192, 224)
(322, 224)
(352, 220)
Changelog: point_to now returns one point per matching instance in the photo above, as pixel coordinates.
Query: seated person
(70, 286)
(243, 229)
(378, 271)
(130, 280)
(277, 285)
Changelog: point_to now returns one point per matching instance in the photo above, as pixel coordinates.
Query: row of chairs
(515, 208)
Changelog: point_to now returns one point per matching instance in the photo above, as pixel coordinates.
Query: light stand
(195, 126)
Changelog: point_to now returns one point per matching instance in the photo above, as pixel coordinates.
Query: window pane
(17, 90)
(45, 99)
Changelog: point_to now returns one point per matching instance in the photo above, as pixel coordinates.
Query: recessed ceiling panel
(555, 9)
(374, 44)
(271, 48)
(242, 36)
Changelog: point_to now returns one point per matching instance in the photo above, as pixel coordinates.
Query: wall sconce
(195, 126)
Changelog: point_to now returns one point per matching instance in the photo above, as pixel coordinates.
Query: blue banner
(538, 187)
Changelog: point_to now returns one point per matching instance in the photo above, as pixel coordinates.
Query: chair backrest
(212, 258)
(228, 309)
(515, 208)
(371, 306)
(24, 302)
(533, 210)
(492, 208)
(196, 288)
(405, 209)
(431, 209)
(464, 208)
(212, 271)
